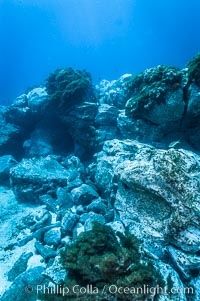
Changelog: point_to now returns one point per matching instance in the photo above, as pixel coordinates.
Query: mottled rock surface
(155, 191)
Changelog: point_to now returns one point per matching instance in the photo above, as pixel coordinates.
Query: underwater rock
(84, 195)
(92, 218)
(191, 121)
(139, 129)
(188, 239)
(39, 219)
(79, 121)
(56, 273)
(157, 95)
(74, 166)
(69, 221)
(80, 209)
(173, 288)
(78, 229)
(11, 139)
(98, 206)
(39, 234)
(194, 70)
(85, 216)
(37, 100)
(186, 264)
(117, 226)
(50, 202)
(53, 237)
(64, 198)
(67, 240)
(152, 190)
(24, 286)
(109, 216)
(113, 93)
(195, 284)
(67, 87)
(193, 107)
(48, 138)
(106, 116)
(21, 117)
(21, 101)
(156, 190)
(6, 162)
(45, 251)
(108, 159)
(104, 133)
(89, 218)
(34, 177)
(38, 144)
(19, 266)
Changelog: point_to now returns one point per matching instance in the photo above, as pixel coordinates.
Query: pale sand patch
(11, 214)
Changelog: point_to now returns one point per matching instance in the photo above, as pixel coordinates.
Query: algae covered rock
(100, 257)
(119, 217)
(157, 95)
(67, 87)
(194, 70)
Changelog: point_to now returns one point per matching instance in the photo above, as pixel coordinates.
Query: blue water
(106, 37)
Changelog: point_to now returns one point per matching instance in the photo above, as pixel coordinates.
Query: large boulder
(157, 95)
(32, 178)
(139, 129)
(67, 87)
(155, 192)
(72, 100)
(79, 121)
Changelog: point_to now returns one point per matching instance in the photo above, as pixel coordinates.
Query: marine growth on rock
(100, 186)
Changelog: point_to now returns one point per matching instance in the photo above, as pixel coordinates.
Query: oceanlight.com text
(112, 289)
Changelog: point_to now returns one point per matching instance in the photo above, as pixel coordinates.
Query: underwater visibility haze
(106, 37)
(99, 150)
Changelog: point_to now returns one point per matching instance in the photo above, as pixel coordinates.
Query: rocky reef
(100, 188)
